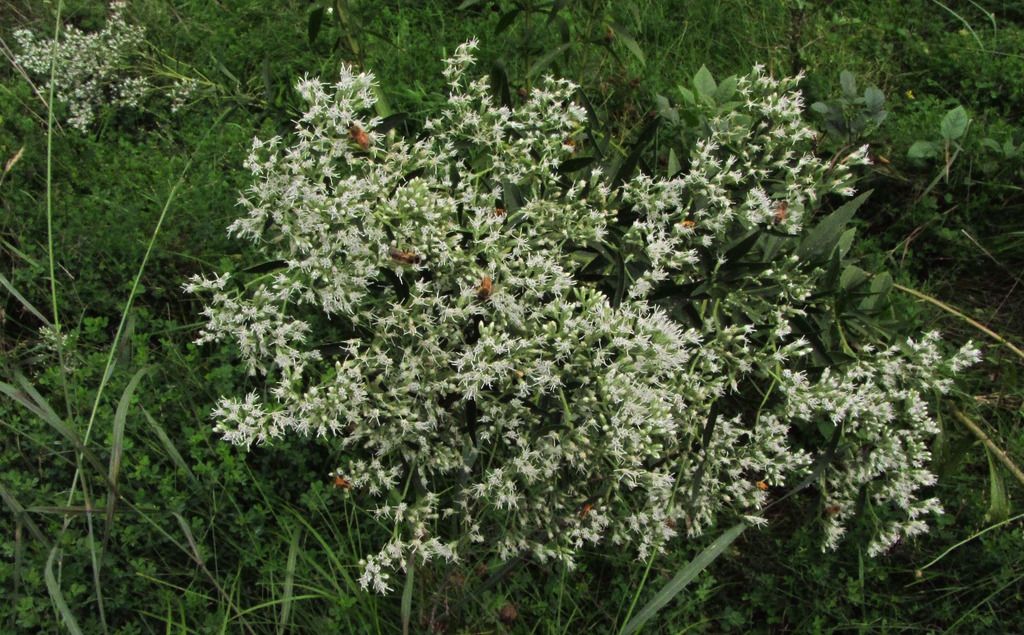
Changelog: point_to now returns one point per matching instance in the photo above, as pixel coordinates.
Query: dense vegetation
(125, 512)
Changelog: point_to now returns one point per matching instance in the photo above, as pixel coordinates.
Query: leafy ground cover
(160, 526)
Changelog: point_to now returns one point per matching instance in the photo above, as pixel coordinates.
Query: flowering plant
(93, 70)
(503, 358)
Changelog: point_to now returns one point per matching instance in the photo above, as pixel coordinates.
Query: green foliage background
(207, 538)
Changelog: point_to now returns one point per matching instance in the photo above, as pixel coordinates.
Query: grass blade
(289, 582)
(25, 303)
(683, 578)
(21, 515)
(117, 446)
(407, 593)
(57, 597)
(165, 441)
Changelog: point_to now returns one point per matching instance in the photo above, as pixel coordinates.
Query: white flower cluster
(91, 70)
(754, 167)
(428, 313)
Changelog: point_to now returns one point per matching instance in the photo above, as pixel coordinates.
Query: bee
(341, 482)
(832, 510)
(781, 212)
(688, 224)
(585, 511)
(359, 136)
(486, 287)
(670, 523)
(404, 257)
(761, 485)
(499, 212)
(570, 144)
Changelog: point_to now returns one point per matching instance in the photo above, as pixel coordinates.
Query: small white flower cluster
(427, 313)
(91, 70)
(877, 407)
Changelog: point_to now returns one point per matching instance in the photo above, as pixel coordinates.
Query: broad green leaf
(991, 144)
(665, 109)
(954, 124)
(852, 277)
(820, 107)
(686, 575)
(873, 98)
(705, 83)
(881, 284)
(726, 89)
(846, 241)
(923, 150)
(849, 84)
(823, 238)
(687, 95)
(673, 164)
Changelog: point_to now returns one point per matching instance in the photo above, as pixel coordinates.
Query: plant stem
(998, 452)
(976, 324)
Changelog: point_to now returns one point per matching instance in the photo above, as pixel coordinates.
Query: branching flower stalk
(429, 314)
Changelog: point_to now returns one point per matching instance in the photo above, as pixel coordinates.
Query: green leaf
(627, 167)
(726, 89)
(506, 21)
(705, 83)
(499, 84)
(665, 109)
(999, 501)
(57, 596)
(849, 84)
(846, 241)
(820, 107)
(821, 240)
(117, 445)
(673, 164)
(574, 165)
(168, 445)
(25, 303)
(873, 98)
(881, 284)
(546, 60)
(852, 277)
(687, 95)
(316, 20)
(686, 575)
(954, 124)
(922, 150)
(629, 42)
(289, 583)
(407, 594)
